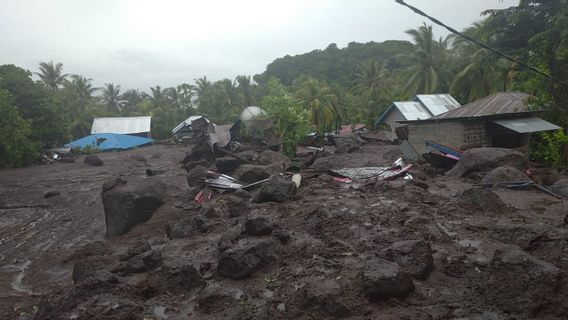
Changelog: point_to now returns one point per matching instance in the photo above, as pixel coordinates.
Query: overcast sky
(143, 43)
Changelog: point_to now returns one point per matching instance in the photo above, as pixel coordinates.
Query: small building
(499, 120)
(137, 126)
(423, 106)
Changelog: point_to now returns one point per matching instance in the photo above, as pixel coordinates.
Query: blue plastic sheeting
(109, 141)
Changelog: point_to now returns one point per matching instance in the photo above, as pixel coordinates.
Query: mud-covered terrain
(435, 247)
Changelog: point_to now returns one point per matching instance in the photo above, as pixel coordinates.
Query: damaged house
(501, 120)
(423, 106)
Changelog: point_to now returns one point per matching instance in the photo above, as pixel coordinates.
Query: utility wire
(504, 55)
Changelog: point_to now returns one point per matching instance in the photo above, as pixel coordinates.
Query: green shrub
(549, 148)
(16, 147)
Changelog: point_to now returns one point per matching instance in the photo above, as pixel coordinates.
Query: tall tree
(318, 99)
(111, 97)
(245, 87)
(375, 84)
(425, 72)
(51, 74)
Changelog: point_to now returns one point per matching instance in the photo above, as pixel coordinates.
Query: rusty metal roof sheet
(121, 125)
(438, 103)
(499, 103)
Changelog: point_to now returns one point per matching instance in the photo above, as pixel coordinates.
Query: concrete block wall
(452, 133)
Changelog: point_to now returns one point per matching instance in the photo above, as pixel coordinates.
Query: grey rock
(268, 157)
(196, 175)
(383, 279)
(504, 174)
(93, 160)
(227, 164)
(126, 206)
(482, 199)
(560, 187)
(327, 163)
(413, 256)
(258, 226)
(248, 173)
(245, 258)
(485, 159)
(89, 266)
(175, 279)
(276, 189)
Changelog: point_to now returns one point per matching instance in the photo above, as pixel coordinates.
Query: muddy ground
(504, 260)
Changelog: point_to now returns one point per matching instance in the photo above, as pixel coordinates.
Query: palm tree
(231, 96)
(425, 73)
(81, 87)
(158, 97)
(479, 78)
(374, 83)
(318, 99)
(202, 86)
(245, 89)
(51, 75)
(111, 97)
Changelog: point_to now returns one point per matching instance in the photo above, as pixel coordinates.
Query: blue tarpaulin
(109, 141)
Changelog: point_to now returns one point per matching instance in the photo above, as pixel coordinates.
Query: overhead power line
(481, 44)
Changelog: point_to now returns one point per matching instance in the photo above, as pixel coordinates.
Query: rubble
(413, 256)
(277, 189)
(504, 174)
(245, 258)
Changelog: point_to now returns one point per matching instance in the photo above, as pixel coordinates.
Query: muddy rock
(381, 280)
(327, 163)
(138, 158)
(107, 306)
(276, 189)
(137, 248)
(192, 164)
(236, 206)
(229, 237)
(512, 272)
(176, 279)
(413, 256)
(268, 157)
(93, 160)
(482, 199)
(187, 227)
(215, 298)
(326, 296)
(282, 235)
(486, 159)
(89, 266)
(96, 248)
(144, 262)
(258, 226)
(227, 164)
(525, 236)
(196, 175)
(544, 176)
(51, 193)
(128, 205)
(504, 174)
(249, 173)
(245, 258)
(96, 283)
(560, 187)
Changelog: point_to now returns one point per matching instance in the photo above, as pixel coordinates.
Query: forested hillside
(334, 65)
(321, 89)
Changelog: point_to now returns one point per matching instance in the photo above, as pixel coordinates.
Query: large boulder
(482, 199)
(276, 189)
(245, 258)
(504, 174)
(325, 296)
(192, 164)
(127, 205)
(258, 226)
(560, 187)
(268, 157)
(486, 159)
(93, 160)
(249, 173)
(519, 283)
(413, 256)
(196, 175)
(90, 266)
(188, 227)
(381, 280)
(227, 164)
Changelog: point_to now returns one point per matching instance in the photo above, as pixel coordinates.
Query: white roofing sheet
(121, 125)
(412, 110)
(187, 122)
(438, 103)
(526, 125)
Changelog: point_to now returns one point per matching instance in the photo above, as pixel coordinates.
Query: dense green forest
(318, 90)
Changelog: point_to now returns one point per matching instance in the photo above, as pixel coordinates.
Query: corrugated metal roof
(499, 103)
(438, 103)
(186, 122)
(121, 125)
(412, 110)
(526, 125)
